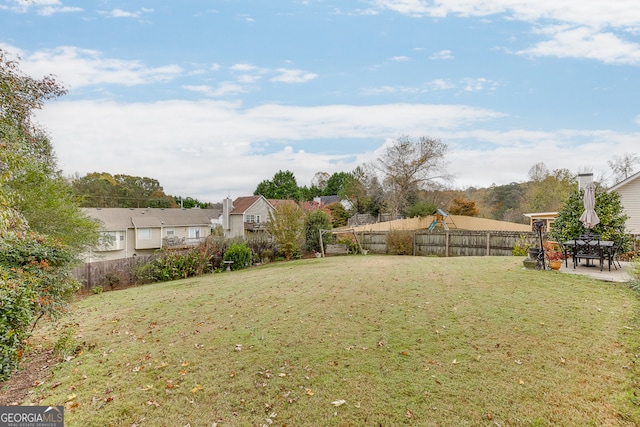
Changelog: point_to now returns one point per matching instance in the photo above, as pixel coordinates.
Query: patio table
(589, 249)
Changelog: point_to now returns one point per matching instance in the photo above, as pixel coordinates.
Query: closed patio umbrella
(589, 217)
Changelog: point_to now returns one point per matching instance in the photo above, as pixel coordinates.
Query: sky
(212, 97)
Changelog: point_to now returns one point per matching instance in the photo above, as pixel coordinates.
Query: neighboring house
(629, 191)
(547, 217)
(128, 232)
(328, 200)
(245, 215)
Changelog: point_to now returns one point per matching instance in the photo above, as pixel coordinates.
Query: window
(112, 240)
(194, 232)
(170, 231)
(144, 234)
(252, 218)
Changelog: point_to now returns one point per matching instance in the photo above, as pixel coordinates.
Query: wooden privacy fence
(109, 274)
(451, 243)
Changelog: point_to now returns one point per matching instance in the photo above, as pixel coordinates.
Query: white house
(128, 232)
(245, 215)
(629, 190)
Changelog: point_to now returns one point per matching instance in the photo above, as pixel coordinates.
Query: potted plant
(553, 254)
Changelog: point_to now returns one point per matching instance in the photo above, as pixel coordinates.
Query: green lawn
(401, 340)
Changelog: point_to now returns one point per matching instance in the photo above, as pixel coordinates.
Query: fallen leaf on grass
(520, 381)
(309, 392)
(338, 402)
(153, 403)
(197, 388)
(146, 387)
(409, 414)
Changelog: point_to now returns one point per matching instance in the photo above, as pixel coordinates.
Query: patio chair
(616, 252)
(588, 248)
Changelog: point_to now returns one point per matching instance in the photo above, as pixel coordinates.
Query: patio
(620, 275)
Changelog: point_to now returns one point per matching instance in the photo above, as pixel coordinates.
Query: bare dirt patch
(15, 390)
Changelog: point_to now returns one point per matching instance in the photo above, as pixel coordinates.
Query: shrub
(521, 247)
(35, 281)
(262, 246)
(400, 242)
(240, 254)
(314, 222)
(350, 241)
(16, 315)
(66, 346)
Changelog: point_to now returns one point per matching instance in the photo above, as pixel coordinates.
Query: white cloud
(597, 28)
(479, 84)
(287, 75)
(120, 13)
(223, 89)
(52, 10)
(400, 58)
(244, 67)
(207, 148)
(77, 68)
(585, 42)
(443, 54)
(42, 7)
(440, 84)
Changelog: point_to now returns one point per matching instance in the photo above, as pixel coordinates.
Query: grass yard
(353, 341)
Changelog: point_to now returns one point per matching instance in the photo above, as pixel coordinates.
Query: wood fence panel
(374, 241)
(453, 242)
(111, 273)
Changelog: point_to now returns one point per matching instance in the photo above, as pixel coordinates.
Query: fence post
(89, 278)
(446, 244)
(488, 243)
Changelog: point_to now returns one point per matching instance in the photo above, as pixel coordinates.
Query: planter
(555, 264)
(530, 263)
(533, 253)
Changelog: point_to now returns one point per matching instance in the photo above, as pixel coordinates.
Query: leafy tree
(309, 193)
(337, 183)
(314, 222)
(421, 208)
(35, 268)
(283, 186)
(286, 225)
(463, 207)
(608, 207)
(98, 190)
(339, 215)
(505, 200)
(364, 191)
(547, 193)
(101, 189)
(408, 166)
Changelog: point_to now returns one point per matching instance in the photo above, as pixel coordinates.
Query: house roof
(541, 215)
(242, 204)
(625, 182)
(123, 218)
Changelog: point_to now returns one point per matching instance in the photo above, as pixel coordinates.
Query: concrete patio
(620, 275)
